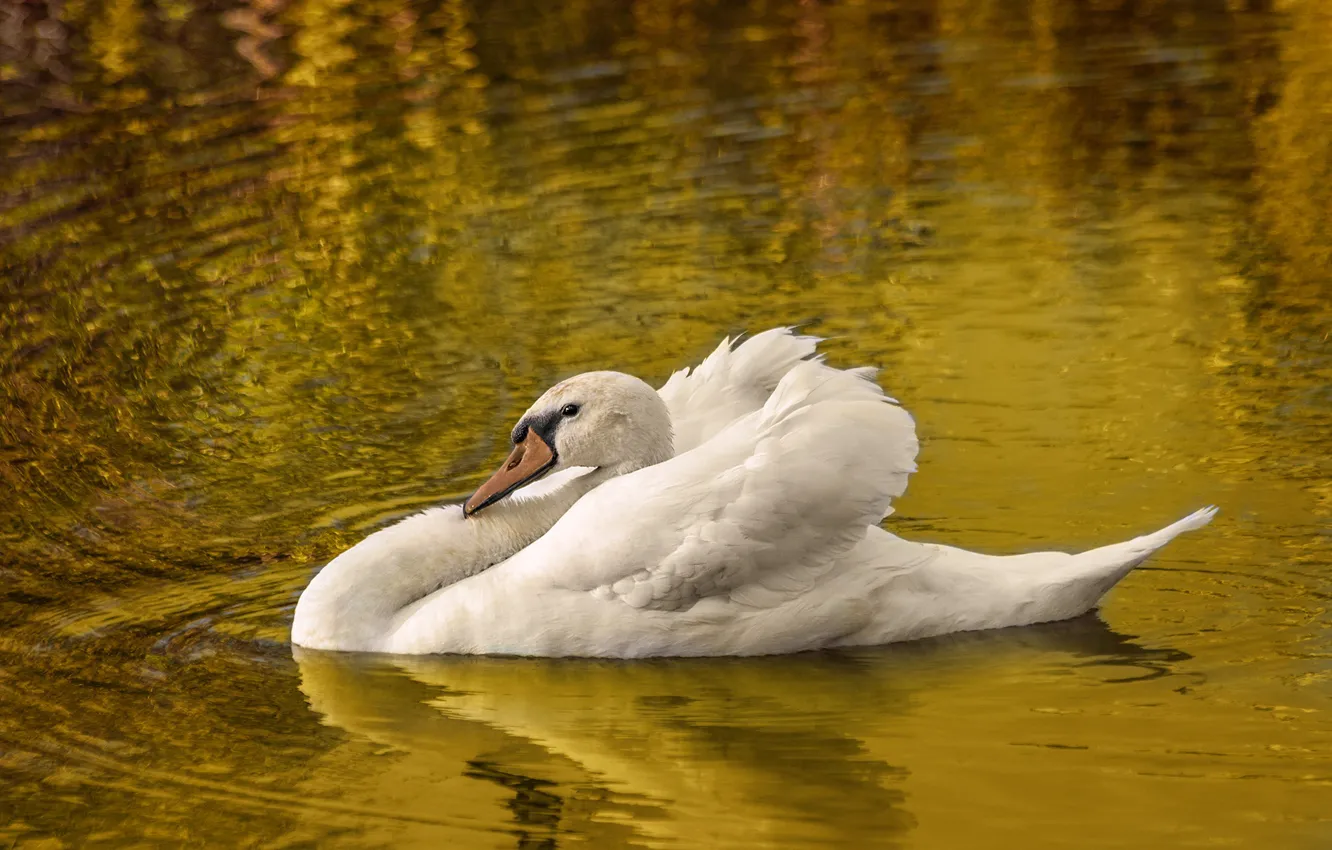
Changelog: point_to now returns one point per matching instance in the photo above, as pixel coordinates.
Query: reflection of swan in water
(733, 512)
(719, 753)
(759, 752)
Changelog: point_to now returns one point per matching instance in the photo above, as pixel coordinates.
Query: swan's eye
(569, 410)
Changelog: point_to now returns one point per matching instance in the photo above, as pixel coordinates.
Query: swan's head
(606, 420)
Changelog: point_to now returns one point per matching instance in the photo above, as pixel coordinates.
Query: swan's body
(749, 527)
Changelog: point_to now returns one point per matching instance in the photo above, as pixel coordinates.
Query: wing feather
(755, 515)
(735, 379)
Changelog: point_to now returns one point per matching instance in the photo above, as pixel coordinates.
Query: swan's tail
(1135, 551)
(1192, 522)
(1103, 568)
(927, 589)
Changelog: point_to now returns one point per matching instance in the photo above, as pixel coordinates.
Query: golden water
(275, 274)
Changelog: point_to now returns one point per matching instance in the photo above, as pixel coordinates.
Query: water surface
(275, 274)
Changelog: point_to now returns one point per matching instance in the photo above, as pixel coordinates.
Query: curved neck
(355, 601)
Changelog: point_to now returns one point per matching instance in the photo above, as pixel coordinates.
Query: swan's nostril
(515, 458)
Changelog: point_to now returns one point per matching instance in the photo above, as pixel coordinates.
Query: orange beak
(530, 459)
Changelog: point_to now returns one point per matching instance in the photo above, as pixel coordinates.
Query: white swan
(752, 529)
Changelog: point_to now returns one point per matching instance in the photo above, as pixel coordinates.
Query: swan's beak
(530, 459)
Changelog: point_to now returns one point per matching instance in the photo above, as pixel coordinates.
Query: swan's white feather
(734, 380)
(759, 536)
(757, 513)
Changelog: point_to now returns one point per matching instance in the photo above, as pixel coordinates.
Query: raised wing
(735, 379)
(753, 516)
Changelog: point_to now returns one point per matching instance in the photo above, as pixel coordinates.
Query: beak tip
(530, 459)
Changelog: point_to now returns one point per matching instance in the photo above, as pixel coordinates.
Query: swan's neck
(355, 601)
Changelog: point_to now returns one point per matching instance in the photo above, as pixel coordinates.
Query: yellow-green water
(275, 274)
